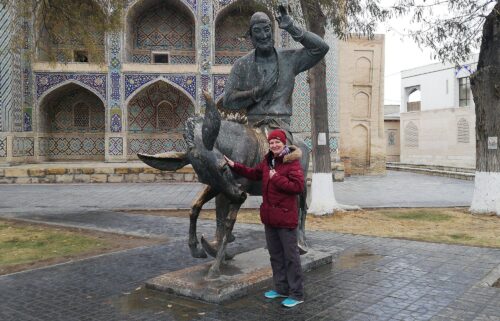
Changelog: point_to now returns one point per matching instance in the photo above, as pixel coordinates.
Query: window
(81, 56)
(464, 92)
(391, 138)
(81, 115)
(160, 58)
(414, 99)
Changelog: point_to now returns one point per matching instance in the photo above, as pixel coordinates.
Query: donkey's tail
(166, 161)
(211, 123)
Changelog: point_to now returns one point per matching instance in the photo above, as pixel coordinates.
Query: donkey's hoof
(197, 252)
(302, 248)
(213, 273)
(231, 238)
(209, 248)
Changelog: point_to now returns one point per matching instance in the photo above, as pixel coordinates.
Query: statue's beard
(264, 46)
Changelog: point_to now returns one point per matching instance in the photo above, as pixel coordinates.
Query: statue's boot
(211, 248)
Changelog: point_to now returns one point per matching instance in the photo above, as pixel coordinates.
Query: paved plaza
(371, 278)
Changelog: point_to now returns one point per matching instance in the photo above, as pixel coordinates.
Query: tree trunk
(485, 85)
(316, 21)
(322, 195)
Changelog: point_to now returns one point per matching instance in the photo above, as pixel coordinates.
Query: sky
(400, 54)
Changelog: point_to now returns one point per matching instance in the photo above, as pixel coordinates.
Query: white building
(438, 115)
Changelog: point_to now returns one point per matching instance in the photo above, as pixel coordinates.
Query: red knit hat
(277, 134)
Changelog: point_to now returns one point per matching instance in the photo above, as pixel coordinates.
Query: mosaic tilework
(116, 146)
(135, 81)
(5, 67)
(225, 60)
(301, 117)
(71, 146)
(96, 82)
(115, 83)
(159, 107)
(230, 33)
(205, 36)
(165, 27)
(332, 83)
(17, 93)
(155, 145)
(3, 147)
(27, 120)
(23, 146)
(27, 97)
(116, 120)
(219, 83)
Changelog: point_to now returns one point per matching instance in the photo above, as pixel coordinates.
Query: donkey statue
(208, 138)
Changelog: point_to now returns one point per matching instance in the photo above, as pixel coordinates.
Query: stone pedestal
(246, 272)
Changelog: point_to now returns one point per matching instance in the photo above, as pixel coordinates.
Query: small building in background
(438, 115)
(392, 133)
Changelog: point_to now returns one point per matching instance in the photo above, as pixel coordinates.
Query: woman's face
(276, 146)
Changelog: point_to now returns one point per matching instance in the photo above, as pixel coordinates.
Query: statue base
(239, 276)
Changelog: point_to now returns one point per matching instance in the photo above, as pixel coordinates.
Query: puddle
(160, 303)
(350, 260)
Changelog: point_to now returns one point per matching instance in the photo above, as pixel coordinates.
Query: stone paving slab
(372, 279)
(247, 271)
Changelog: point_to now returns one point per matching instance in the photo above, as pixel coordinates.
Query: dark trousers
(285, 261)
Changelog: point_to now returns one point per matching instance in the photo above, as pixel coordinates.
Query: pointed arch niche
(73, 50)
(71, 124)
(155, 119)
(231, 31)
(360, 155)
(160, 31)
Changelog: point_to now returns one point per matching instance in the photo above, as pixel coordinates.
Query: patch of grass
(442, 225)
(21, 244)
(419, 215)
(461, 236)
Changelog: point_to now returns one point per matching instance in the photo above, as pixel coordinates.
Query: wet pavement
(371, 278)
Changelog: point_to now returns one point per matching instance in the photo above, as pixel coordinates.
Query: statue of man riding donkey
(262, 83)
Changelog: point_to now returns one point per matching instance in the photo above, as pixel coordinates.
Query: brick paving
(371, 279)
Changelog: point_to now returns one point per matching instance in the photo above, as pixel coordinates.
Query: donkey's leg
(301, 231)
(222, 207)
(204, 196)
(214, 270)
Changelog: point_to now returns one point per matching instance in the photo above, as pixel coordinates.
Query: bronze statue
(262, 83)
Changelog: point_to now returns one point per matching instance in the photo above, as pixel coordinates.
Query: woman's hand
(228, 161)
(272, 172)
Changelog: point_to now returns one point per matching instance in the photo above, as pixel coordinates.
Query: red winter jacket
(279, 193)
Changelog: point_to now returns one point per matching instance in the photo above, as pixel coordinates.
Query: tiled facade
(142, 105)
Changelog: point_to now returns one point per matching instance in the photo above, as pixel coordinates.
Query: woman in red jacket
(282, 180)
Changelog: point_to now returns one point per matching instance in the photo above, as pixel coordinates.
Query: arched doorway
(156, 117)
(71, 125)
(160, 32)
